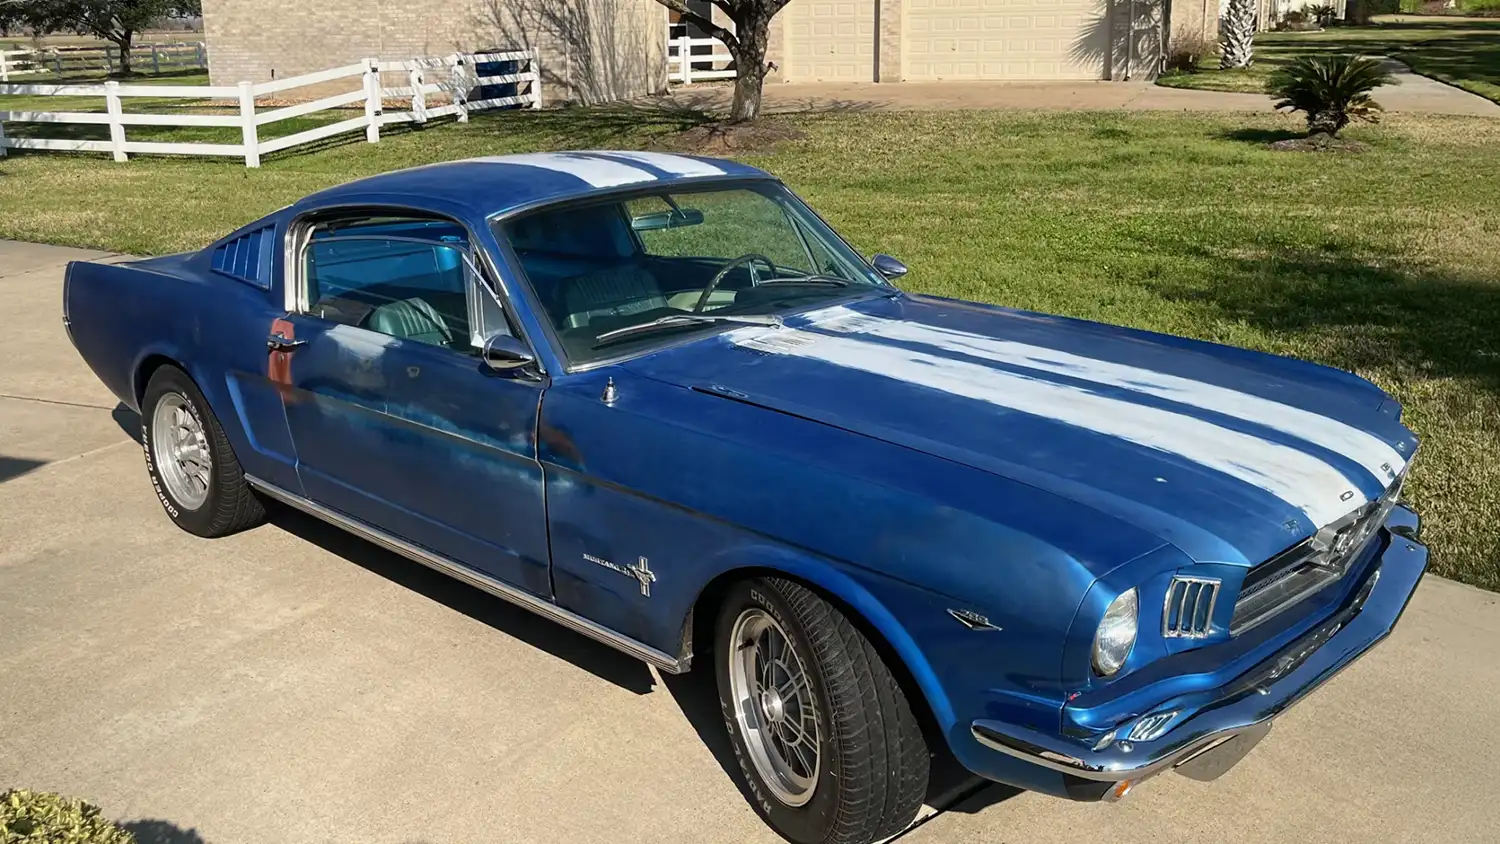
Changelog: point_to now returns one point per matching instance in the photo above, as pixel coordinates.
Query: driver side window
(406, 278)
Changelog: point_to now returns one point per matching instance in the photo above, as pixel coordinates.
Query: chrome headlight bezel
(1116, 635)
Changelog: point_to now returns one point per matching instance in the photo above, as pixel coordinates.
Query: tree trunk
(1239, 35)
(124, 43)
(750, 68)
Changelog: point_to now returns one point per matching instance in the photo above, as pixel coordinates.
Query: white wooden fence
(19, 63)
(154, 57)
(452, 77)
(686, 67)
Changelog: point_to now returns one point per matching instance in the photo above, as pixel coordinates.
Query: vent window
(247, 258)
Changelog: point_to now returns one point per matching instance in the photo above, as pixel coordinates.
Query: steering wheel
(748, 258)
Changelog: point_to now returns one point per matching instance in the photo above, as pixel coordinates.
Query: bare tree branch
(708, 26)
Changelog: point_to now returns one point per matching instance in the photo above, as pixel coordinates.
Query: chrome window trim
(541, 606)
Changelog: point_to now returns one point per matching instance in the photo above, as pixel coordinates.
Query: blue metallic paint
(898, 501)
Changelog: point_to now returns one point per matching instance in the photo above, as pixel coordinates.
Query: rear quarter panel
(125, 319)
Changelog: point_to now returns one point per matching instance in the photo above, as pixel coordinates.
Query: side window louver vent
(247, 257)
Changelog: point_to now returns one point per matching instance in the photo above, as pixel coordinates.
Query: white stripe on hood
(1376, 456)
(1294, 476)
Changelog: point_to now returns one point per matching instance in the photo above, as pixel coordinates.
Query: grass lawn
(1383, 263)
(1464, 52)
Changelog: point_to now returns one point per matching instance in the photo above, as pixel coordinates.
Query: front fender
(856, 590)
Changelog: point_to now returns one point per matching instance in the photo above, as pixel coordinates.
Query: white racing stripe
(677, 165)
(598, 172)
(1298, 478)
(1376, 456)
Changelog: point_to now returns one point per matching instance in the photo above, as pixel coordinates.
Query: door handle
(282, 343)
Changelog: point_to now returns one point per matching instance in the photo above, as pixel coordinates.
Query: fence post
(57, 63)
(4, 69)
(155, 61)
(202, 59)
(116, 127)
(685, 57)
(249, 132)
(2, 139)
(109, 61)
(536, 84)
(418, 97)
(460, 88)
(374, 97)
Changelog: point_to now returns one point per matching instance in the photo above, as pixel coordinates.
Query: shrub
(27, 816)
(1186, 53)
(1321, 15)
(1331, 90)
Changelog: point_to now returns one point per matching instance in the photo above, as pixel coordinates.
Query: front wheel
(824, 736)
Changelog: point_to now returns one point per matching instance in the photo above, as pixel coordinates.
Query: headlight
(1116, 634)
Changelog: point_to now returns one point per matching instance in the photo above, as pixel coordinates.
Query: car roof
(495, 185)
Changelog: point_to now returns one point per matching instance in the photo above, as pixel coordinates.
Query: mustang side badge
(973, 620)
(641, 571)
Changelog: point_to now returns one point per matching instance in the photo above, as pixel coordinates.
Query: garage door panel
(996, 39)
(830, 40)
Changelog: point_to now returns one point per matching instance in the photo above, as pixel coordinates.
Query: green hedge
(35, 817)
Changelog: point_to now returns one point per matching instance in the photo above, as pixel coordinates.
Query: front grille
(1278, 585)
(1189, 611)
(1301, 571)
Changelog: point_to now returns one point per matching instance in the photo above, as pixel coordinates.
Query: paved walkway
(1414, 94)
(295, 685)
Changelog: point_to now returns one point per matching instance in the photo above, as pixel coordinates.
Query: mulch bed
(1319, 143)
(731, 138)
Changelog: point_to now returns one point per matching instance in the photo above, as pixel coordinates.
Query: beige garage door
(1005, 39)
(830, 41)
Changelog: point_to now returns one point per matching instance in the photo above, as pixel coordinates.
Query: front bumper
(1220, 733)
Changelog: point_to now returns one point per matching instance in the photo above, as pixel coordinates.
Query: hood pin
(610, 395)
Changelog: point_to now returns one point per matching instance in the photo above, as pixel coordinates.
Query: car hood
(1230, 455)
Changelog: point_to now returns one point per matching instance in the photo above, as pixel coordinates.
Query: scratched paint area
(1378, 457)
(938, 359)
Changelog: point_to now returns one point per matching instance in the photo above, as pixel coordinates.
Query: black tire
(230, 505)
(875, 775)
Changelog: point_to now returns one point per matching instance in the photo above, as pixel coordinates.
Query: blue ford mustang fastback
(657, 399)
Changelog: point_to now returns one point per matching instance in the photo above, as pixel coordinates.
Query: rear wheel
(193, 469)
(825, 739)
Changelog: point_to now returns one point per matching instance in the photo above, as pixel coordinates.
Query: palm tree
(1239, 35)
(1331, 90)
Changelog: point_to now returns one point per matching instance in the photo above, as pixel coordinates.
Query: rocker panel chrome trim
(640, 650)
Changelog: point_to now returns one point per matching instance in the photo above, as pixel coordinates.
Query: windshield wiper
(831, 280)
(678, 320)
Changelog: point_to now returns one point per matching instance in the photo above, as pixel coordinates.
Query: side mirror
(505, 354)
(889, 267)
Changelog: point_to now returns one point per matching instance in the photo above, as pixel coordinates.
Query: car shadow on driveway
(598, 659)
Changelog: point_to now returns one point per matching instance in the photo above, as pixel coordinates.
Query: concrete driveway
(293, 685)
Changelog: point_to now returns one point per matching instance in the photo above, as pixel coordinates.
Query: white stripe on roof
(596, 171)
(677, 165)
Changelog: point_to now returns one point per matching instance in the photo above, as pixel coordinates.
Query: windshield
(631, 273)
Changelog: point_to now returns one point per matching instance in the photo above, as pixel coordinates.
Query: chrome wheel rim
(179, 447)
(774, 707)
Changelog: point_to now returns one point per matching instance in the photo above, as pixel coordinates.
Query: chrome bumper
(1244, 710)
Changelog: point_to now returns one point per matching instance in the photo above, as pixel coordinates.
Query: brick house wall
(588, 50)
